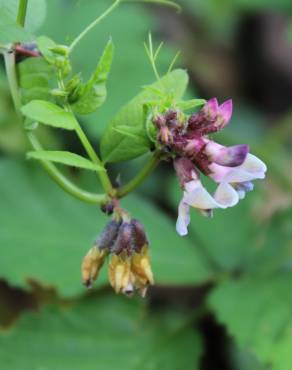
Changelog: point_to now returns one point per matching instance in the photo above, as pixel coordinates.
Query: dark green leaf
(257, 312)
(92, 94)
(67, 158)
(10, 31)
(49, 114)
(102, 333)
(116, 147)
(136, 134)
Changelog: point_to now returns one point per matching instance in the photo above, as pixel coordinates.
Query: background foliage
(222, 299)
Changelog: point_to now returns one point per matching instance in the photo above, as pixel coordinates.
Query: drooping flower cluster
(193, 152)
(124, 241)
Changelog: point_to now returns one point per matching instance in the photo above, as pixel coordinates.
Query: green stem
(110, 9)
(172, 4)
(63, 182)
(9, 60)
(136, 181)
(22, 7)
(103, 176)
(93, 24)
(56, 175)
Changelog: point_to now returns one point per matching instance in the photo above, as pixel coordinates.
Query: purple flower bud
(211, 118)
(225, 112)
(107, 208)
(108, 235)
(139, 235)
(170, 115)
(164, 135)
(211, 109)
(159, 121)
(124, 241)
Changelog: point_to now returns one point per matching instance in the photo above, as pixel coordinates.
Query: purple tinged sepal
(108, 235)
(124, 240)
(185, 170)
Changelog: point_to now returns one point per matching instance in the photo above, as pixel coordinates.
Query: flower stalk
(93, 24)
(21, 13)
(141, 176)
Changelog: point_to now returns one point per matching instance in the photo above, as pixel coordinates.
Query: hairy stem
(21, 14)
(136, 181)
(93, 24)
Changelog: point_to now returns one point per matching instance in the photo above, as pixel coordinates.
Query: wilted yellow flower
(91, 265)
(124, 240)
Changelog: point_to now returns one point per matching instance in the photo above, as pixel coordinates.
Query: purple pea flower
(232, 168)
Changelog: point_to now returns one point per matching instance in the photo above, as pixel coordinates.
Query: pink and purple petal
(232, 156)
(225, 112)
(211, 109)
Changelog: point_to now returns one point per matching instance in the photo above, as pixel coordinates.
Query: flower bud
(59, 93)
(107, 208)
(139, 235)
(109, 235)
(159, 121)
(124, 241)
(91, 265)
(73, 87)
(60, 50)
(170, 115)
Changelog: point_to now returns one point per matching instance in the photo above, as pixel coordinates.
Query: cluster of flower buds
(187, 142)
(124, 242)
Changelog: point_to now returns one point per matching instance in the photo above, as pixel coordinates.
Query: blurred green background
(222, 298)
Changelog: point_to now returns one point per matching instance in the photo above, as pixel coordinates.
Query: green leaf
(116, 147)
(134, 133)
(67, 158)
(105, 332)
(257, 312)
(44, 45)
(190, 104)
(35, 15)
(92, 94)
(35, 75)
(45, 233)
(10, 31)
(49, 114)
